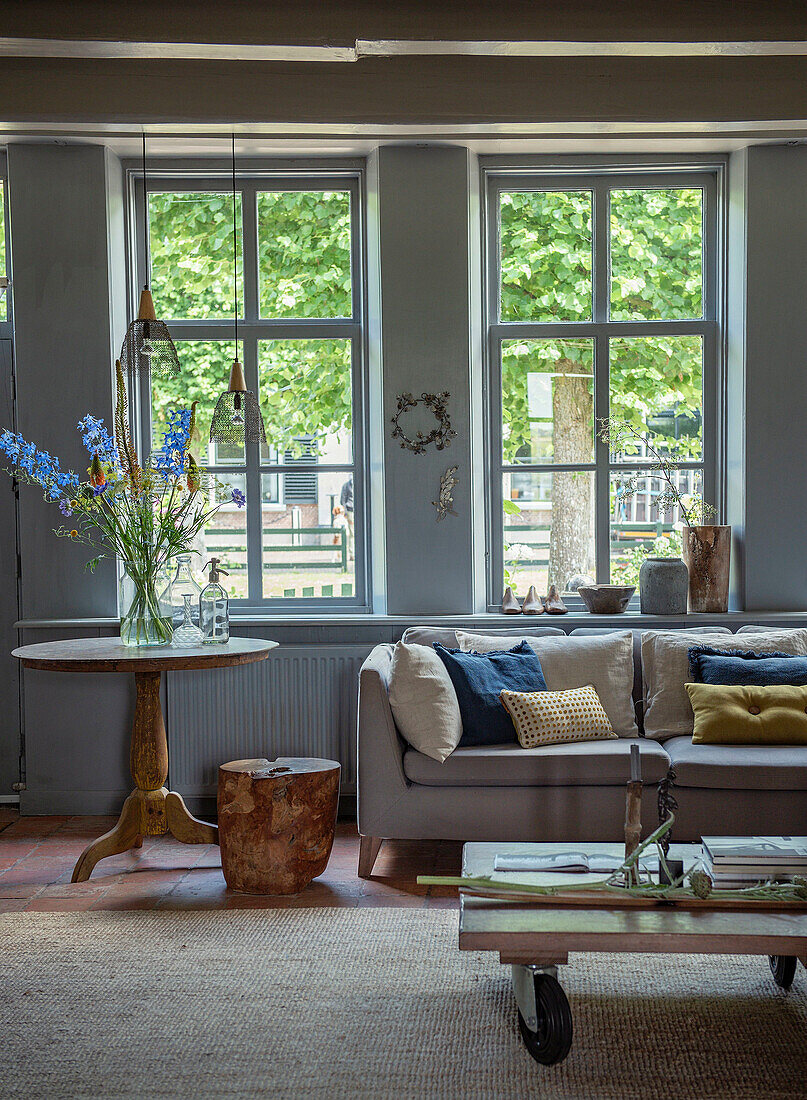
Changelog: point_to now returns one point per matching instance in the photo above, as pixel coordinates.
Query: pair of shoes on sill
(534, 604)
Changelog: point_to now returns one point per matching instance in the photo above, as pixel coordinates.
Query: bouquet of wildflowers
(143, 515)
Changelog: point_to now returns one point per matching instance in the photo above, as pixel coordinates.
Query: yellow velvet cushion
(555, 717)
(746, 715)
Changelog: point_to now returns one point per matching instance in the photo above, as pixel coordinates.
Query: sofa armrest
(381, 778)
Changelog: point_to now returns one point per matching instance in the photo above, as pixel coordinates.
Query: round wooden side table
(151, 809)
(276, 822)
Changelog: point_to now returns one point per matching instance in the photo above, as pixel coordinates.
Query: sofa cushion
(738, 767)
(423, 701)
(741, 714)
(479, 679)
(582, 764)
(558, 717)
(665, 670)
(605, 661)
(712, 666)
(428, 635)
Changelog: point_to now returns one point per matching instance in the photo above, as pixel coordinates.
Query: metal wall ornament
(440, 436)
(147, 345)
(445, 503)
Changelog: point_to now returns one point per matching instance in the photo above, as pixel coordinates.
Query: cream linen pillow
(604, 661)
(423, 701)
(557, 717)
(665, 670)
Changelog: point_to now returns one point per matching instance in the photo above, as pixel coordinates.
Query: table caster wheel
(552, 1039)
(783, 968)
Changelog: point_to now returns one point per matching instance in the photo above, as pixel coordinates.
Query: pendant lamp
(147, 345)
(237, 418)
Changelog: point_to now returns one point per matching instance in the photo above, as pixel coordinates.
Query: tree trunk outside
(570, 540)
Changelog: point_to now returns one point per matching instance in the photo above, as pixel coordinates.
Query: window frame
(600, 180)
(253, 178)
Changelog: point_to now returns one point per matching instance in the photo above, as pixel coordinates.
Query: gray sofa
(573, 792)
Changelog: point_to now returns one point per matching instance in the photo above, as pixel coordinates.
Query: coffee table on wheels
(151, 809)
(534, 939)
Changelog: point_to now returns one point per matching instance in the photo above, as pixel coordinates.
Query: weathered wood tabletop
(531, 931)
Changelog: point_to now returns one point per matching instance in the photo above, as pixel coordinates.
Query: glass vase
(145, 605)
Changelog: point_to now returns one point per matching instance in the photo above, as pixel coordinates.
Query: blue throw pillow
(479, 678)
(746, 668)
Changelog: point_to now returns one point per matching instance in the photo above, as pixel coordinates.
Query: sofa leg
(368, 850)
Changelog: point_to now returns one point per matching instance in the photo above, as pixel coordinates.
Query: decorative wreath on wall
(441, 436)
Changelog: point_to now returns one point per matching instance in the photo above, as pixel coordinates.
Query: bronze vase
(707, 553)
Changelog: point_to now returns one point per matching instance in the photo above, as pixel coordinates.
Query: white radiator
(301, 701)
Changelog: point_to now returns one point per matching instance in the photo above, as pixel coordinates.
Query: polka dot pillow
(557, 717)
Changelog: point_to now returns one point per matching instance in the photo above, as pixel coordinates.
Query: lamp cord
(235, 260)
(145, 217)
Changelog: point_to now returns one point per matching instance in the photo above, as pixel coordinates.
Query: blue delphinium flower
(98, 441)
(39, 465)
(239, 498)
(169, 460)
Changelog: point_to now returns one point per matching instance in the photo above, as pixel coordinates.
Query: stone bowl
(606, 599)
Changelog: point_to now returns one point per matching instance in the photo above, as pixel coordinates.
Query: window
(601, 302)
(300, 539)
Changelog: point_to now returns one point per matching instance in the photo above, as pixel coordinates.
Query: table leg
(150, 810)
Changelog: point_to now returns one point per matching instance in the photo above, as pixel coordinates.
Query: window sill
(578, 618)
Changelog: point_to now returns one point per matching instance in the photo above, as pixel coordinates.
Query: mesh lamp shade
(237, 418)
(147, 345)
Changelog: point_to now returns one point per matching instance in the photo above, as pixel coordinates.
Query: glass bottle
(214, 608)
(184, 584)
(188, 634)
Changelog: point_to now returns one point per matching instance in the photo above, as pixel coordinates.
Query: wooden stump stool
(276, 822)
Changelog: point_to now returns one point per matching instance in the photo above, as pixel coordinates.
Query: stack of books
(737, 861)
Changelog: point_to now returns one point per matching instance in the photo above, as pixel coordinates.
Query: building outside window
(602, 301)
(300, 540)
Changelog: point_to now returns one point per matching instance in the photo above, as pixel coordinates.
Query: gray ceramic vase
(663, 586)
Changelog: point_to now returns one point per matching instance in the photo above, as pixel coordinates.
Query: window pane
(548, 401)
(656, 254)
(545, 255)
(205, 376)
(225, 537)
(548, 528)
(308, 535)
(306, 399)
(638, 529)
(191, 247)
(3, 271)
(656, 384)
(304, 253)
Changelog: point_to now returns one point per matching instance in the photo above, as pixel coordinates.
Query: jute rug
(366, 1003)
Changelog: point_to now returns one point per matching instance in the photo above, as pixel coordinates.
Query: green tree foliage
(546, 276)
(656, 242)
(304, 271)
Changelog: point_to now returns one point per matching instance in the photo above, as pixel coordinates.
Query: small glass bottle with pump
(184, 584)
(214, 608)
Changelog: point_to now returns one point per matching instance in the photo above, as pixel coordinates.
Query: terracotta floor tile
(37, 856)
(385, 901)
(12, 905)
(58, 905)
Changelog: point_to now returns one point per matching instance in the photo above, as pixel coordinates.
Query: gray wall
(767, 362)
(67, 240)
(68, 302)
(423, 234)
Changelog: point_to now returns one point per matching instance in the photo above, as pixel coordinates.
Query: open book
(574, 862)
